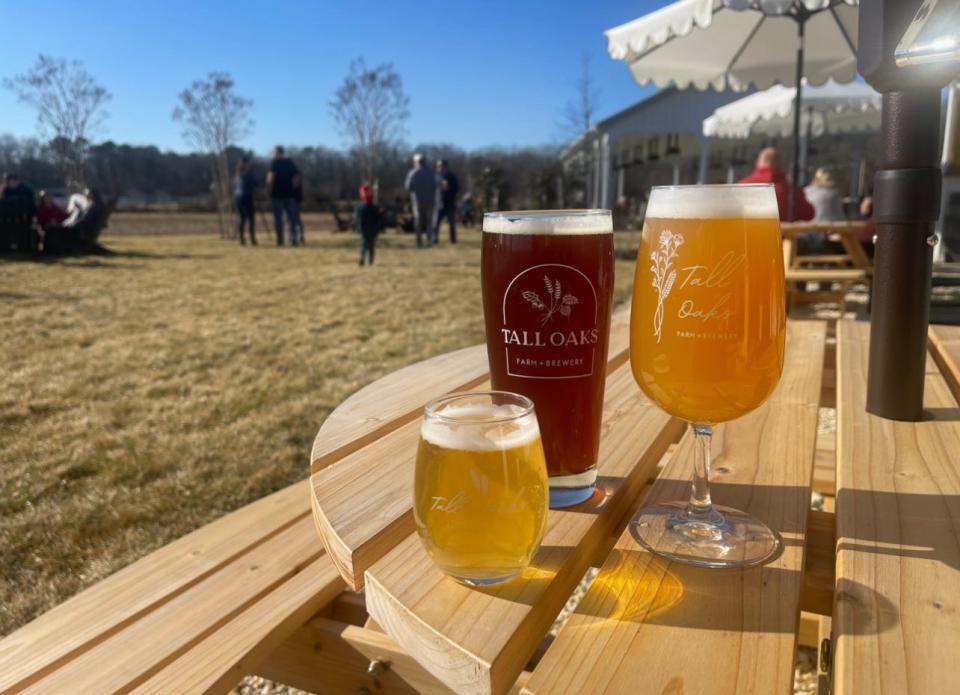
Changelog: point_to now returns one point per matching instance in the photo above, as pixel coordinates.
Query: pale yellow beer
(480, 486)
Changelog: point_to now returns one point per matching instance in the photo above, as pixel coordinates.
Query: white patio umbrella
(742, 43)
(829, 108)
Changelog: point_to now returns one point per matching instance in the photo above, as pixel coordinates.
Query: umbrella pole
(906, 206)
(798, 100)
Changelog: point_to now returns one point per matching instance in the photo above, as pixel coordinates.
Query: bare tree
(580, 110)
(371, 108)
(576, 121)
(214, 117)
(70, 107)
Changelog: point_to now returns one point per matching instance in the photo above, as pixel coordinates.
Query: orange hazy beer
(708, 312)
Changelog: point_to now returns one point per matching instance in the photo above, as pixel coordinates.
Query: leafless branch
(580, 111)
(371, 108)
(70, 108)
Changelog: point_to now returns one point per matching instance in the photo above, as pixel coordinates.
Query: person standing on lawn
(13, 187)
(244, 185)
(422, 186)
(368, 221)
(283, 180)
(445, 205)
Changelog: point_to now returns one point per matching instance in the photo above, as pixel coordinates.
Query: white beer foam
(474, 428)
(721, 201)
(548, 222)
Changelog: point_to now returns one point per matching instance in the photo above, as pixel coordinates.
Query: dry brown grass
(151, 391)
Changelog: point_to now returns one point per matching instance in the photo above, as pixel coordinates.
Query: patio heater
(909, 50)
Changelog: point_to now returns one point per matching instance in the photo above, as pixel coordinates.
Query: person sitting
(825, 198)
(78, 232)
(49, 213)
(76, 204)
(768, 170)
(828, 207)
(367, 221)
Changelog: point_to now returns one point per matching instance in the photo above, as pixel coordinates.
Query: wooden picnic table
(849, 233)
(254, 592)
(841, 269)
(882, 573)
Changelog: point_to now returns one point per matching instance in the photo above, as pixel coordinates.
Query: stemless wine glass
(706, 344)
(480, 487)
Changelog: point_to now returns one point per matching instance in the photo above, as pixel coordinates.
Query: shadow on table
(941, 414)
(636, 587)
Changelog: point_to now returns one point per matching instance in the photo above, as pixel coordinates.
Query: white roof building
(666, 128)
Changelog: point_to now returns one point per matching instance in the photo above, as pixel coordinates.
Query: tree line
(496, 177)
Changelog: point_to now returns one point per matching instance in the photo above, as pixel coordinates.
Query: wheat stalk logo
(556, 301)
(663, 275)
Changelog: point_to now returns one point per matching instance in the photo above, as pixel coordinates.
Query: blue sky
(478, 73)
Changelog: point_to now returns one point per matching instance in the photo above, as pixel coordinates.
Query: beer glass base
(568, 490)
(724, 537)
(486, 581)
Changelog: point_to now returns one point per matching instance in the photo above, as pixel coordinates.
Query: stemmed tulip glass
(707, 344)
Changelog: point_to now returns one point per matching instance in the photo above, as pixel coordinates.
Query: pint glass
(706, 345)
(480, 486)
(547, 279)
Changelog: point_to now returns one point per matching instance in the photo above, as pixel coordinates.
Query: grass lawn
(148, 392)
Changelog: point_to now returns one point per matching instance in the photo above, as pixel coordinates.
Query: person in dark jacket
(445, 207)
(368, 222)
(283, 180)
(14, 188)
(244, 186)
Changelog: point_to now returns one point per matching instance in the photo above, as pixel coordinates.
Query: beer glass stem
(700, 506)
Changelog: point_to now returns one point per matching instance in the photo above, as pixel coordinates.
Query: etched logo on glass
(664, 275)
(549, 328)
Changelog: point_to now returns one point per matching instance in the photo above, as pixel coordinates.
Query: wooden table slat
(945, 348)
(150, 644)
(216, 663)
(84, 621)
(388, 403)
(896, 622)
(647, 625)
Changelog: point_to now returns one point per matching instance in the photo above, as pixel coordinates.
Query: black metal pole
(797, 102)
(907, 197)
(906, 205)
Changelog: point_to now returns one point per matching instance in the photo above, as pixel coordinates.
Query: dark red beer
(547, 279)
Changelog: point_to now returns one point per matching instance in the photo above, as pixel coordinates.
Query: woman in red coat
(768, 171)
(49, 213)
